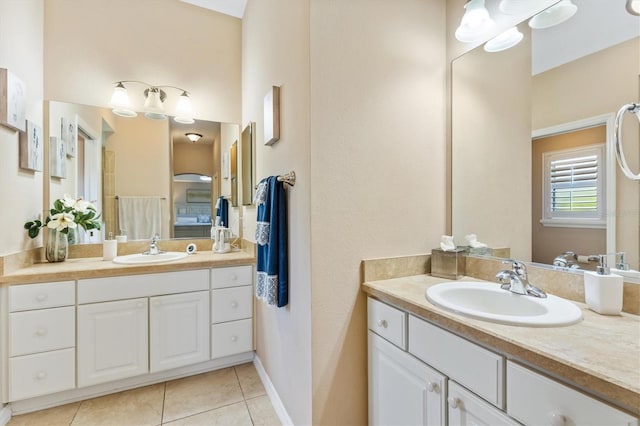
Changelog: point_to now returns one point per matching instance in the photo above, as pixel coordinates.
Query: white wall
(21, 51)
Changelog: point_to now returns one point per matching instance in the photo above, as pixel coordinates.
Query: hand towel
(222, 212)
(140, 218)
(272, 280)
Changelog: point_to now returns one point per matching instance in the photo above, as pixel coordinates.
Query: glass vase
(57, 246)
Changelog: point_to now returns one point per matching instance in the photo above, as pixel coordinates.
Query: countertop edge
(620, 396)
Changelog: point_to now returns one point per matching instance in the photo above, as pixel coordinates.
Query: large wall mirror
(509, 108)
(145, 176)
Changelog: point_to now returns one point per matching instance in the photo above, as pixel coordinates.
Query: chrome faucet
(153, 247)
(516, 281)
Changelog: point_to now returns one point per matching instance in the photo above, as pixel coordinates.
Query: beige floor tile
(142, 406)
(230, 415)
(204, 392)
(262, 412)
(56, 416)
(249, 381)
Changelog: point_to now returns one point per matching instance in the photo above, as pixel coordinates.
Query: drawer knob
(556, 419)
(383, 323)
(41, 331)
(432, 387)
(41, 375)
(234, 338)
(41, 297)
(234, 304)
(234, 277)
(453, 402)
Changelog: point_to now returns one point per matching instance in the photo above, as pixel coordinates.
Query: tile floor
(231, 396)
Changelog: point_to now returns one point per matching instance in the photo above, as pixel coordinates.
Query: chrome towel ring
(634, 109)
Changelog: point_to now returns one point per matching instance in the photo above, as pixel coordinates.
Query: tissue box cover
(448, 264)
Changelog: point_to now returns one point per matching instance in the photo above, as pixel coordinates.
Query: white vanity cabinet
(466, 409)
(132, 325)
(41, 339)
(402, 389)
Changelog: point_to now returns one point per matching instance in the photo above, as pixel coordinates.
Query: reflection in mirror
(233, 173)
(498, 103)
(248, 181)
(120, 158)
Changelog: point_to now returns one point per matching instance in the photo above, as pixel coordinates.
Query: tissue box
(448, 264)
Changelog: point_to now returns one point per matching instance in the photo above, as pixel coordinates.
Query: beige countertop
(600, 354)
(95, 267)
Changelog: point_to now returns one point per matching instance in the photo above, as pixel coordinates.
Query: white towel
(140, 218)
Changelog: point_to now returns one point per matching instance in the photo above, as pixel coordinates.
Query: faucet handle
(518, 267)
(155, 238)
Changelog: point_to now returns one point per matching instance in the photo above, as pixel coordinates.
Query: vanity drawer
(230, 304)
(42, 330)
(387, 322)
(231, 338)
(40, 374)
(472, 366)
(134, 286)
(536, 399)
(234, 276)
(44, 295)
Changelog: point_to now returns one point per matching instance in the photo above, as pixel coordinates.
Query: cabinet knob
(234, 277)
(556, 419)
(432, 387)
(383, 323)
(41, 331)
(41, 297)
(234, 338)
(234, 304)
(41, 375)
(453, 402)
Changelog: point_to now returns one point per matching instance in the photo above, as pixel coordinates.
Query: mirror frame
(248, 143)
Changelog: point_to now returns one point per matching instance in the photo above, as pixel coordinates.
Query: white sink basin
(487, 301)
(141, 259)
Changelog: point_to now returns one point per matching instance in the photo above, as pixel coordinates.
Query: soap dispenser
(603, 290)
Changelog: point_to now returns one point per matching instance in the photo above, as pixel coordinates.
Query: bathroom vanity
(431, 366)
(87, 327)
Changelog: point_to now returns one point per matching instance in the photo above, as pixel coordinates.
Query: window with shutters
(573, 187)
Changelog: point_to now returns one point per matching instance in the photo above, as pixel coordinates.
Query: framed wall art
(57, 158)
(195, 195)
(12, 101)
(31, 148)
(272, 116)
(69, 134)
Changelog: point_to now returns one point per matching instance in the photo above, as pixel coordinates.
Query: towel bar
(289, 179)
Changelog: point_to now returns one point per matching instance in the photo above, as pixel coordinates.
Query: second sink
(487, 301)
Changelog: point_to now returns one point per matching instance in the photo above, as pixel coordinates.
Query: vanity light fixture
(556, 14)
(193, 137)
(153, 103)
(633, 7)
(504, 41)
(475, 23)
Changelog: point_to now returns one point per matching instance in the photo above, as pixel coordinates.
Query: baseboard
(278, 406)
(5, 415)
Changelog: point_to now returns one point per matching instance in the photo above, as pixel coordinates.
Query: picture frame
(12, 101)
(57, 158)
(272, 116)
(225, 165)
(32, 148)
(196, 195)
(69, 134)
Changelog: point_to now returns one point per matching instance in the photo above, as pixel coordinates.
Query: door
(112, 341)
(179, 330)
(402, 389)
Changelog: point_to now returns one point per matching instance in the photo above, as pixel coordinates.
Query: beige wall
(612, 79)
(276, 52)
(549, 242)
(491, 172)
(21, 50)
(91, 44)
(193, 158)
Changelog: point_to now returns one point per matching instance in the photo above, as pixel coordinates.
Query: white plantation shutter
(573, 187)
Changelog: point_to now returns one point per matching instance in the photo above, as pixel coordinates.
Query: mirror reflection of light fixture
(193, 137)
(633, 7)
(153, 103)
(475, 23)
(205, 178)
(556, 14)
(504, 41)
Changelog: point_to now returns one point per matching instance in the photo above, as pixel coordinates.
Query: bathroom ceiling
(597, 24)
(228, 7)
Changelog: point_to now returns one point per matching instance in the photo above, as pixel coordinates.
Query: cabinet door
(402, 390)
(179, 330)
(465, 408)
(112, 341)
